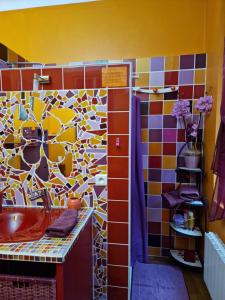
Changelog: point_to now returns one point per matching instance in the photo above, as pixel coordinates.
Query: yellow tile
(142, 65)
(169, 162)
(154, 188)
(143, 80)
(167, 107)
(165, 228)
(172, 63)
(144, 135)
(199, 76)
(193, 107)
(155, 149)
(154, 97)
(154, 251)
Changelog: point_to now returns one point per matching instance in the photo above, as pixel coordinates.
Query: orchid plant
(181, 110)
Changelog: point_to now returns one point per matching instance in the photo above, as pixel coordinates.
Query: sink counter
(47, 249)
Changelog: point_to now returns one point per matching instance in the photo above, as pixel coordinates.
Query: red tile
(169, 149)
(181, 135)
(118, 122)
(199, 91)
(118, 100)
(11, 80)
(117, 189)
(117, 254)
(116, 293)
(118, 233)
(93, 77)
(118, 276)
(117, 211)
(155, 162)
(186, 91)
(168, 187)
(156, 108)
(28, 77)
(118, 150)
(55, 78)
(118, 167)
(73, 78)
(171, 78)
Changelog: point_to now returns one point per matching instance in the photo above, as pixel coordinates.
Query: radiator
(214, 266)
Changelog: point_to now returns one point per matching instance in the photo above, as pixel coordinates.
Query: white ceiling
(23, 4)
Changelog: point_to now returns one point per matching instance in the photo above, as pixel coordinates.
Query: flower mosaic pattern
(63, 158)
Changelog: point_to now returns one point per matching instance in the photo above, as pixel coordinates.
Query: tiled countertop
(51, 250)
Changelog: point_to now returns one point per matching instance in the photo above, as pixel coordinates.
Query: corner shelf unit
(178, 255)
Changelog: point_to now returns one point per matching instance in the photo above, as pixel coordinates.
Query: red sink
(25, 224)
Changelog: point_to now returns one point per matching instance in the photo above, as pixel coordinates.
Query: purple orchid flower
(181, 108)
(204, 104)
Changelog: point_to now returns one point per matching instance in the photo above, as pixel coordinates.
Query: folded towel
(64, 224)
(189, 192)
(173, 198)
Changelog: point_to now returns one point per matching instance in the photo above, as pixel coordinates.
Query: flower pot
(191, 161)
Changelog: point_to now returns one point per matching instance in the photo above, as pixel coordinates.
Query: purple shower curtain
(139, 246)
(218, 165)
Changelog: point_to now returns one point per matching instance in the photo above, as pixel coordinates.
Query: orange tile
(169, 162)
(122, 149)
(73, 78)
(165, 215)
(117, 189)
(154, 188)
(118, 167)
(118, 233)
(118, 276)
(11, 80)
(55, 78)
(155, 148)
(118, 100)
(116, 293)
(27, 78)
(142, 80)
(117, 254)
(118, 211)
(144, 135)
(118, 123)
(200, 76)
(154, 251)
(165, 228)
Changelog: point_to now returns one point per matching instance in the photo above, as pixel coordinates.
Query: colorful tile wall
(162, 135)
(101, 117)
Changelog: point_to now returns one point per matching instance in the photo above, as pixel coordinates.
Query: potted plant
(181, 110)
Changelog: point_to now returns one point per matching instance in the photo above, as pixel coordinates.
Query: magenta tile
(157, 79)
(155, 122)
(169, 135)
(154, 201)
(200, 61)
(154, 227)
(187, 61)
(186, 77)
(157, 64)
(169, 121)
(168, 176)
(154, 175)
(155, 135)
(154, 214)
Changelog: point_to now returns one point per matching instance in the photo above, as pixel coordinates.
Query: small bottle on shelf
(191, 220)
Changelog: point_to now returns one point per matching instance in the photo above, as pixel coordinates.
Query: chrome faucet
(1, 196)
(44, 195)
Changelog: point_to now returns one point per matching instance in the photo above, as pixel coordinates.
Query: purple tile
(154, 227)
(155, 122)
(169, 122)
(187, 61)
(200, 61)
(179, 146)
(144, 148)
(144, 121)
(196, 119)
(157, 63)
(154, 214)
(154, 175)
(186, 77)
(155, 135)
(154, 240)
(145, 161)
(169, 135)
(154, 201)
(157, 79)
(168, 176)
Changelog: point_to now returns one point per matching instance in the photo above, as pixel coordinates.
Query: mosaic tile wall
(163, 136)
(100, 115)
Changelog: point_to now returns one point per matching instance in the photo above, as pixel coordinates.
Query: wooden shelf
(191, 233)
(178, 255)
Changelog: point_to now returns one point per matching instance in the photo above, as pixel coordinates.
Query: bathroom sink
(25, 224)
